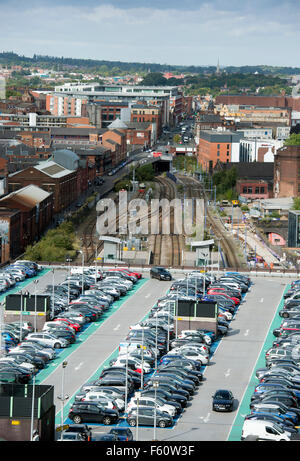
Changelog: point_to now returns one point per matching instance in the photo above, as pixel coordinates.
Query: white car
(191, 354)
(225, 315)
(103, 400)
(201, 349)
(184, 333)
(151, 402)
(52, 325)
(47, 339)
(121, 362)
(113, 401)
(128, 284)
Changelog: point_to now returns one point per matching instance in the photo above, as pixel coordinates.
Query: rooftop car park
(228, 364)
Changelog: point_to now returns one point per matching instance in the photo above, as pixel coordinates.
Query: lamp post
(156, 386)
(1, 327)
(21, 316)
(138, 395)
(32, 409)
(126, 384)
(156, 341)
(63, 397)
(52, 270)
(35, 284)
(82, 263)
(68, 260)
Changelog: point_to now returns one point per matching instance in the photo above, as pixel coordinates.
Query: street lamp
(138, 395)
(156, 386)
(68, 260)
(52, 270)
(32, 410)
(35, 284)
(82, 263)
(21, 316)
(63, 397)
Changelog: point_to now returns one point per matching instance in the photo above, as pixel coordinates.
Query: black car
(146, 417)
(22, 376)
(189, 386)
(28, 357)
(92, 412)
(82, 429)
(133, 377)
(123, 434)
(164, 394)
(160, 273)
(222, 400)
(104, 437)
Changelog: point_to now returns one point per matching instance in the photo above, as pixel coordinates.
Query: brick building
(10, 234)
(35, 207)
(147, 113)
(287, 172)
(52, 178)
(259, 101)
(214, 146)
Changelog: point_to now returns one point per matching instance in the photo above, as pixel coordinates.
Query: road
(231, 366)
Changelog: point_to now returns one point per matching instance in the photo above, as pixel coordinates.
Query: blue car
(28, 271)
(261, 388)
(285, 416)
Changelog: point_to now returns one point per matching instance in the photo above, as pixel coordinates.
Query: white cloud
(152, 34)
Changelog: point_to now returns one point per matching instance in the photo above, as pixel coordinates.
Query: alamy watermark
(138, 216)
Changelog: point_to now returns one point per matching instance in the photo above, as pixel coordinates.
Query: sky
(174, 32)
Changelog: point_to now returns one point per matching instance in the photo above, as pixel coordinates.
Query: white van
(264, 430)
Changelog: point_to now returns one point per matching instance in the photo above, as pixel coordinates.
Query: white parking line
(78, 366)
(117, 327)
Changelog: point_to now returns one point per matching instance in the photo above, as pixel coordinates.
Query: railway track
(167, 248)
(227, 244)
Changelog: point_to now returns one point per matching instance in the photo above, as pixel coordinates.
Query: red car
(76, 326)
(138, 275)
(217, 292)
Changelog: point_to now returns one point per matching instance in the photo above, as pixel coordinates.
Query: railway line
(226, 241)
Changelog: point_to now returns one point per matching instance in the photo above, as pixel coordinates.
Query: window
(218, 146)
(249, 190)
(262, 190)
(257, 190)
(244, 190)
(218, 153)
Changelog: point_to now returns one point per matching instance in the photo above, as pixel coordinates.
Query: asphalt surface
(232, 364)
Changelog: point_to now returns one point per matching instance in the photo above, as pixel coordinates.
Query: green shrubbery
(55, 245)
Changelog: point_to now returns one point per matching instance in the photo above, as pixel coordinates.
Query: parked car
(146, 417)
(124, 434)
(81, 412)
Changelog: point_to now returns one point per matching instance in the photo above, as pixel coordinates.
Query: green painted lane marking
(86, 333)
(64, 353)
(243, 410)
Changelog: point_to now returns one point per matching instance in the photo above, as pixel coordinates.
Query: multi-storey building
(287, 172)
(217, 145)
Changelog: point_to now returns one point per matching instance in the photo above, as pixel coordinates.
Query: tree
(293, 140)
(296, 204)
(154, 79)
